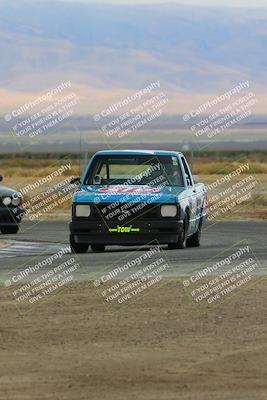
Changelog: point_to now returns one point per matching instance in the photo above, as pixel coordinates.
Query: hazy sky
(231, 3)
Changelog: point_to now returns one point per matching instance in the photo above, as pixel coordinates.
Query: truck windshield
(135, 170)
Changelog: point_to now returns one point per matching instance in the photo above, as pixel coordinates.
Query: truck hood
(127, 194)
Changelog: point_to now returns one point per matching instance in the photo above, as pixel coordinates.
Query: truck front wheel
(9, 230)
(97, 248)
(181, 243)
(78, 248)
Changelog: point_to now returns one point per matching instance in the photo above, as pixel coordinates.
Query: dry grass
(32, 168)
(207, 167)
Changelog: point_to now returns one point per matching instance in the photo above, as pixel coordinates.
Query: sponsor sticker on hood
(127, 189)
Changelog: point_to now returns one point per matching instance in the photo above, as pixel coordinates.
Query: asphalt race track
(218, 240)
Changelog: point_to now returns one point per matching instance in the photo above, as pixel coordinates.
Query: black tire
(194, 240)
(97, 248)
(9, 230)
(181, 243)
(78, 248)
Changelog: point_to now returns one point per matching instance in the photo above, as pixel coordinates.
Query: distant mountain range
(109, 51)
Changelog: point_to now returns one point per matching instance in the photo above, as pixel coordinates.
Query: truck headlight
(17, 199)
(82, 210)
(169, 211)
(6, 201)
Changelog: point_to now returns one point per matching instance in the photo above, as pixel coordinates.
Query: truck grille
(123, 212)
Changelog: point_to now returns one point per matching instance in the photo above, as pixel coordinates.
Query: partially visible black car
(11, 210)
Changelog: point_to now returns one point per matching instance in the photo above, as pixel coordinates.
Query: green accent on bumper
(124, 229)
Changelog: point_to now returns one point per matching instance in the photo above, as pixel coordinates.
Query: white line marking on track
(14, 248)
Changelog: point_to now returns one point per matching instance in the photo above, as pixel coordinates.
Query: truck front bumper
(163, 231)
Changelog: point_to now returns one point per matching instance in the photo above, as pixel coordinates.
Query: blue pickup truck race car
(134, 197)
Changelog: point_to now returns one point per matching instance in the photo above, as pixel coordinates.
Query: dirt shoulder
(159, 348)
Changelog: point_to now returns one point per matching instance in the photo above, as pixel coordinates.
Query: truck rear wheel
(194, 240)
(78, 248)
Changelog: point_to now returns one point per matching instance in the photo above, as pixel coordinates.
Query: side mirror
(97, 180)
(1, 178)
(75, 181)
